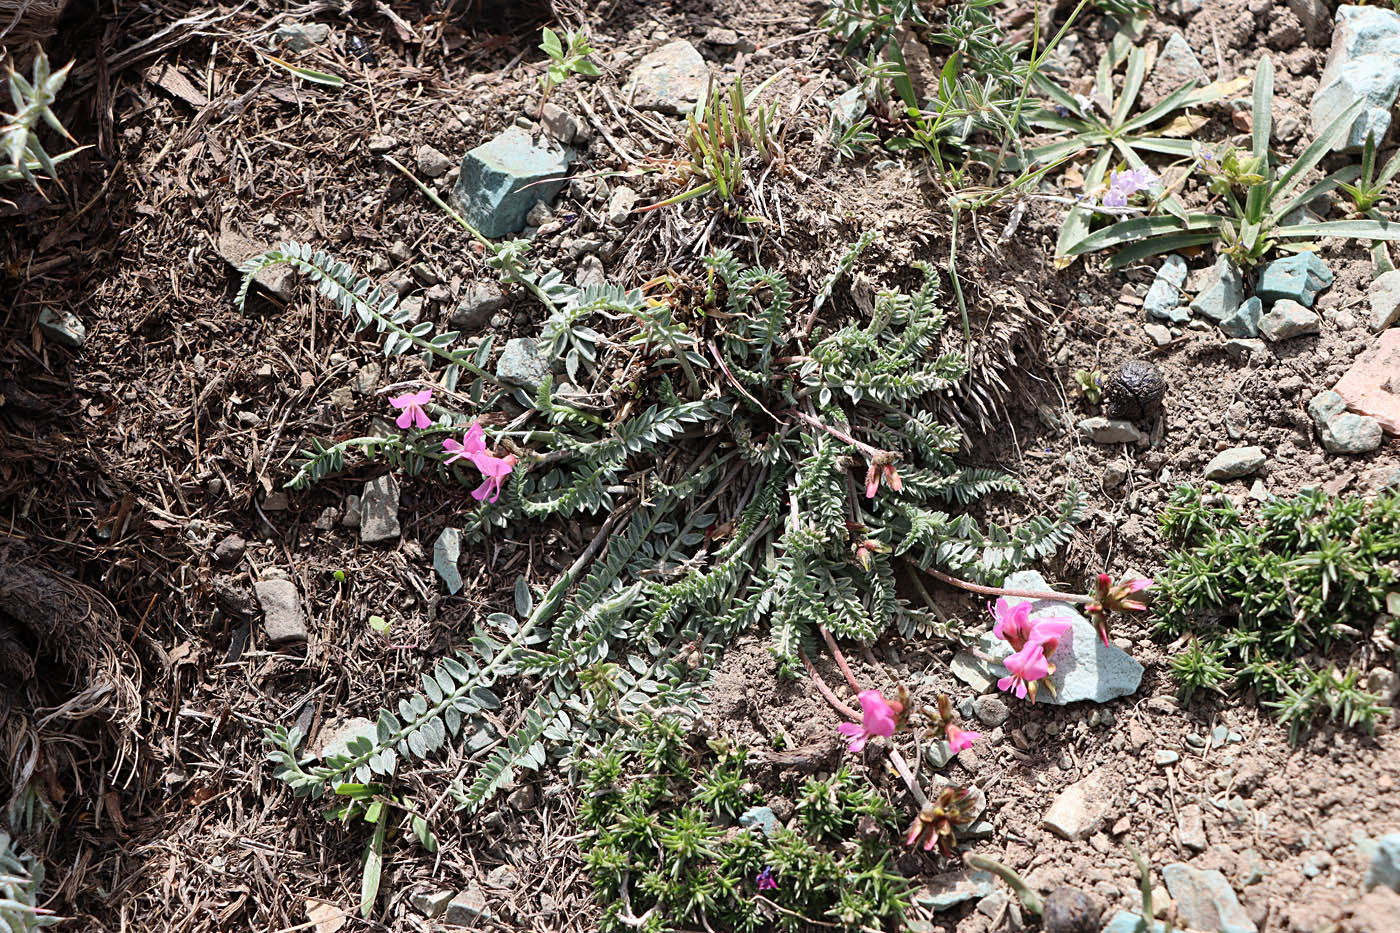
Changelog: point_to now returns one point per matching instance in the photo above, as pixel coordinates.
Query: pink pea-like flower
(1047, 634)
(959, 739)
(494, 471)
(412, 404)
(1013, 622)
(473, 443)
(1024, 669)
(878, 718)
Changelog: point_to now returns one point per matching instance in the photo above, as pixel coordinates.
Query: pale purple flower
(1123, 185)
(412, 404)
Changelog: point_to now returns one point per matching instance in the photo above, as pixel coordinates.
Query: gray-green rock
(1165, 300)
(1362, 64)
(1286, 319)
(1245, 321)
(953, 888)
(1298, 278)
(1324, 407)
(1235, 462)
(379, 510)
(1350, 433)
(283, 620)
(1124, 922)
(432, 902)
(761, 818)
(671, 79)
(1221, 293)
(447, 549)
(1385, 862)
(503, 178)
(1103, 430)
(63, 327)
(1205, 900)
(1384, 297)
(521, 364)
(298, 37)
(1245, 348)
(1177, 64)
(972, 671)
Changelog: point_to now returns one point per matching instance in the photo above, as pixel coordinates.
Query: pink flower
(959, 739)
(412, 404)
(494, 470)
(1025, 667)
(1047, 634)
(878, 719)
(882, 466)
(1110, 597)
(1013, 622)
(473, 443)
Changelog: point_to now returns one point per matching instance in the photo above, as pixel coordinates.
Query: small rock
(1384, 296)
(282, 616)
(539, 215)
(432, 162)
(620, 204)
(229, 551)
(672, 79)
(1315, 18)
(1080, 808)
(327, 519)
(275, 502)
(590, 273)
(379, 510)
(918, 64)
(952, 888)
(1384, 869)
(468, 908)
(236, 249)
(501, 180)
(480, 299)
(351, 518)
(521, 364)
(1159, 334)
(1245, 321)
(1288, 319)
(1205, 900)
(1222, 291)
(1350, 433)
(1193, 828)
(1165, 756)
(1246, 349)
(523, 798)
(1362, 64)
(559, 123)
(1165, 300)
(1103, 430)
(1069, 910)
(342, 397)
(367, 378)
(991, 710)
(1115, 473)
(298, 37)
(1384, 683)
(972, 671)
(381, 143)
(447, 549)
(1297, 278)
(1237, 420)
(761, 818)
(63, 327)
(1184, 9)
(1125, 922)
(1324, 407)
(1235, 462)
(718, 35)
(432, 902)
(334, 740)
(1176, 65)
(1372, 385)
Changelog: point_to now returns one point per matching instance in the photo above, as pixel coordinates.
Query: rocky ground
(149, 428)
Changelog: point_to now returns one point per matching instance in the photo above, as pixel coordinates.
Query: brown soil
(124, 464)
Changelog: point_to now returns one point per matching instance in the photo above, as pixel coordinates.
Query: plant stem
(863, 447)
(1003, 591)
(825, 691)
(840, 659)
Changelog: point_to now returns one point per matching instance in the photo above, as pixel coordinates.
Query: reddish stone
(1372, 385)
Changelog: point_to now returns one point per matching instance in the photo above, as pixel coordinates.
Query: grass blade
(1263, 106)
(1158, 245)
(1347, 229)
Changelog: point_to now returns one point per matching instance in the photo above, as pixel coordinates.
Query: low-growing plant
(21, 875)
(1263, 601)
(662, 851)
(1371, 188)
(567, 56)
(1259, 200)
(20, 145)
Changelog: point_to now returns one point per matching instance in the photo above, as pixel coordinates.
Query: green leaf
(373, 867)
(1159, 245)
(551, 44)
(1138, 228)
(307, 74)
(1132, 84)
(1317, 151)
(1347, 229)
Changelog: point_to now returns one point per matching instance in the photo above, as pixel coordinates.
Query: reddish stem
(1003, 591)
(863, 447)
(825, 691)
(840, 659)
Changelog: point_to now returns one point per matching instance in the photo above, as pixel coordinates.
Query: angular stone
(1221, 292)
(447, 549)
(237, 249)
(351, 518)
(1350, 433)
(1193, 828)
(229, 551)
(1245, 321)
(1125, 922)
(298, 37)
(1164, 298)
(1235, 462)
(468, 908)
(559, 123)
(1383, 294)
(590, 272)
(1080, 808)
(1159, 334)
(1385, 863)
(991, 710)
(1363, 64)
(1175, 66)
(620, 204)
(431, 903)
(63, 327)
(1324, 407)
(336, 737)
(952, 888)
(282, 616)
(480, 300)
(1103, 430)
(432, 163)
(1287, 319)
(503, 178)
(379, 510)
(761, 818)
(1372, 385)
(521, 364)
(1246, 349)
(1315, 18)
(671, 79)
(924, 75)
(720, 36)
(1165, 756)
(1205, 900)
(1085, 668)
(1298, 278)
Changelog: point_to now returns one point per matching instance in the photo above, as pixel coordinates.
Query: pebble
(559, 123)
(1193, 828)
(1125, 922)
(523, 798)
(1165, 756)
(1164, 300)
(283, 620)
(327, 519)
(1244, 322)
(1363, 63)
(337, 735)
(1159, 334)
(521, 364)
(298, 37)
(1205, 900)
(590, 273)
(1371, 385)
(1384, 868)
(671, 79)
(63, 327)
(1286, 319)
(379, 510)
(447, 550)
(1241, 349)
(1222, 291)
(479, 300)
(367, 378)
(351, 518)
(1115, 473)
(1235, 462)
(432, 902)
(229, 551)
(1103, 430)
(952, 888)
(432, 162)
(620, 204)
(1384, 296)
(1069, 910)
(1296, 278)
(381, 143)
(1080, 808)
(761, 818)
(502, 179)
(1175, 66)
(1350, 433)
(467, 908)
(991, 710)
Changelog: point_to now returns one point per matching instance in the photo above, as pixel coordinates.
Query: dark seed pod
(1135, 391)
(1068, 910)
